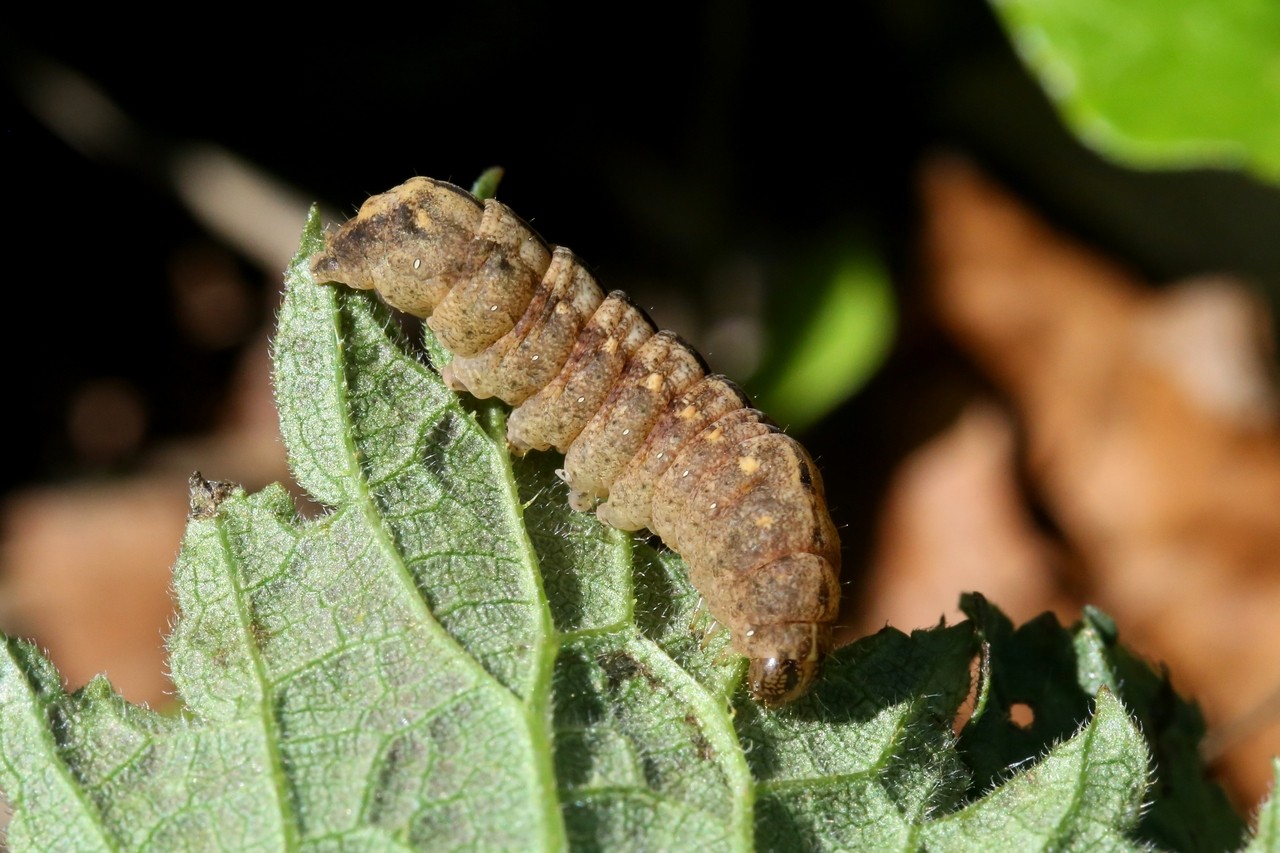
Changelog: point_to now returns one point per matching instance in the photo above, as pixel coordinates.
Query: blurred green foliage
(1155, 83)
(829, 330)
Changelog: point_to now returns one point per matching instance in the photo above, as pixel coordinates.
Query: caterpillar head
(796, 660)
(412, 244)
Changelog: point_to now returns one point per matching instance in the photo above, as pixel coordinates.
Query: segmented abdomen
(642, 427)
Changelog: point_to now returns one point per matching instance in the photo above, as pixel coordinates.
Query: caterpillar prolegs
(650, 440)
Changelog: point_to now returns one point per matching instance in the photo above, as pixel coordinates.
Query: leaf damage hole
(1022, 715)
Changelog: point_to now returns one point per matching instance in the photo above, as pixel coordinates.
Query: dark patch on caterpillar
(806, 476)
(651, 440)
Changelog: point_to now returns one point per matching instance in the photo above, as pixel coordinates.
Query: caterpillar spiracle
(650, 440)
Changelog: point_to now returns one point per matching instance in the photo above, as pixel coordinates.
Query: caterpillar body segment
(650, 440)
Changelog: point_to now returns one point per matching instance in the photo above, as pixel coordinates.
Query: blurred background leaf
(828, 329)
(1160, 83)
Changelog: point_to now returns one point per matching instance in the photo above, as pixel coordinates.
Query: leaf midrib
(533, 711)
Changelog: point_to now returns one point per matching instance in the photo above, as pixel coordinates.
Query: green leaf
(833, 327)
(448, 657)
(1266, 836)
(1053, 675)
(486, 186)
(1075, 799)
(1159, 83)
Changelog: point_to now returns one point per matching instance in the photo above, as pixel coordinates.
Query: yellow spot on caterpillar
(610, 345)
(653, 382)
(748, 464)
(764, 521)
(688, 412)
(715, 435)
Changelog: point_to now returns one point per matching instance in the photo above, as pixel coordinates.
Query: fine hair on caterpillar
(650, 440)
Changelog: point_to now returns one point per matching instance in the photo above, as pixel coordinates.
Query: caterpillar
(650, 439)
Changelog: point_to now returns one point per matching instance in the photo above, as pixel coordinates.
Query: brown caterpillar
(639, 422)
